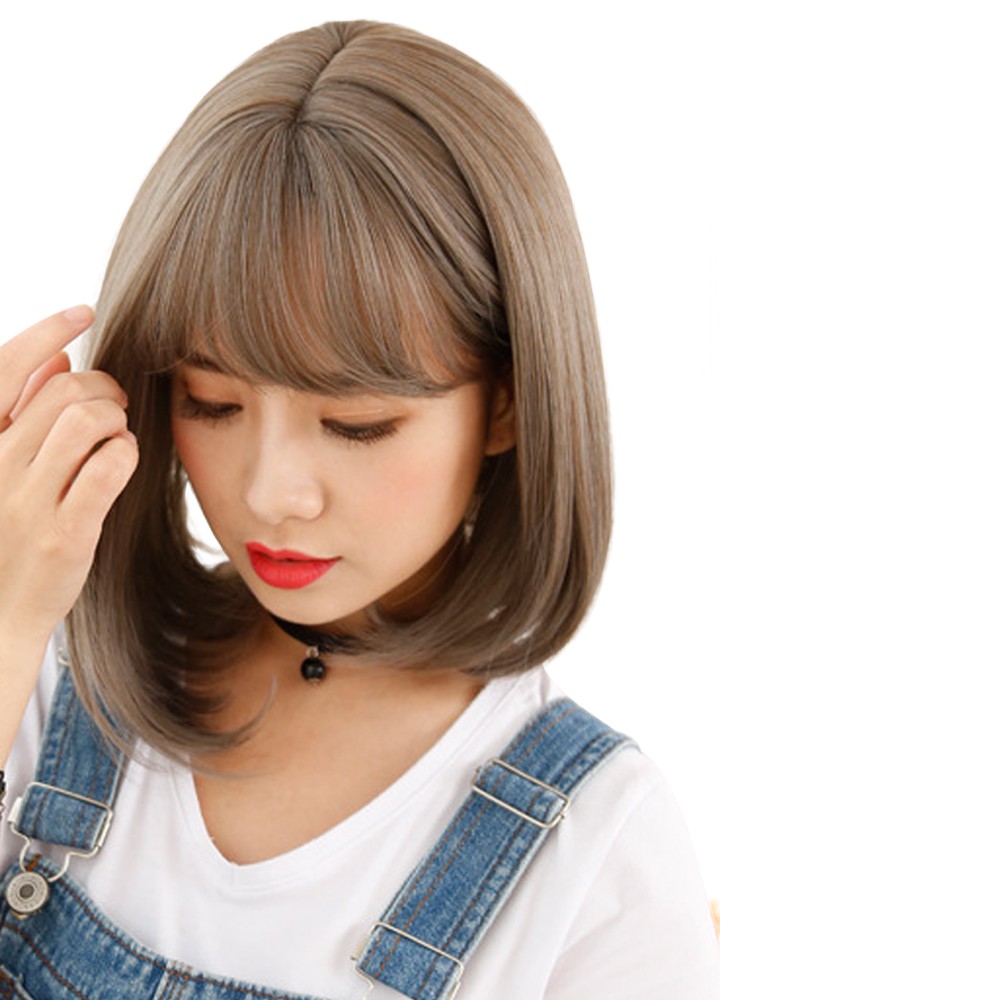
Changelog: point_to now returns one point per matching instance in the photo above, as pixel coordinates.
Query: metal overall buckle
(562, 797)
(381, 924)
(29, 891)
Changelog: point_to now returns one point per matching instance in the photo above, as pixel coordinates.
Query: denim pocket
(10, 987)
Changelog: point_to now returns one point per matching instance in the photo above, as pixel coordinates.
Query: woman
(350, 307)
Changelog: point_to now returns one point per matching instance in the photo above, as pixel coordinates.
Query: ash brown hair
(355, 206)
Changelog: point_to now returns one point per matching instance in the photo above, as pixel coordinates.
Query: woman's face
(326, 504)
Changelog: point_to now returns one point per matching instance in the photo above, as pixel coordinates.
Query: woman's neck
(263, 682)
(317, 753)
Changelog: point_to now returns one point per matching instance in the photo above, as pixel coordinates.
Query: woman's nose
(281, 483)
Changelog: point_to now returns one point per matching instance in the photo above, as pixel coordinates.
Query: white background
(792, 218)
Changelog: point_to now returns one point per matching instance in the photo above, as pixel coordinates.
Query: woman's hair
(357, 206)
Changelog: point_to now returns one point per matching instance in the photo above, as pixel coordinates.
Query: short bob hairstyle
(356, 206)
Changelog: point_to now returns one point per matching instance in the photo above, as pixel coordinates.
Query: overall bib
(55, 944)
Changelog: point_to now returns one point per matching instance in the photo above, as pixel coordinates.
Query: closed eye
(360, 433)
(193, 408)
(200, 409)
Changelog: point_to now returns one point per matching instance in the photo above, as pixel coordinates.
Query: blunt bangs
(309, 254)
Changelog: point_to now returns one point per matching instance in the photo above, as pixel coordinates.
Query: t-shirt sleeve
(644, 931)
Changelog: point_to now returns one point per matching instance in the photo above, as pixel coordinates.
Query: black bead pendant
(313, 668)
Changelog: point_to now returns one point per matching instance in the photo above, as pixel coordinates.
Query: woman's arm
(65, 456)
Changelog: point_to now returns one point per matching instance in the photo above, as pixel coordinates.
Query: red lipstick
(286, 568)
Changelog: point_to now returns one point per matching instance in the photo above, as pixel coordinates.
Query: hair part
(356, 206)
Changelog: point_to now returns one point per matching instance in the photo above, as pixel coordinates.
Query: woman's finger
(35, 421)
(60, 363)
(96, 487)
(23, 354)
(75, 438)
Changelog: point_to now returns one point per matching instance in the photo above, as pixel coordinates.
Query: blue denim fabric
(74, 758)
(419, 945)
(69, 949)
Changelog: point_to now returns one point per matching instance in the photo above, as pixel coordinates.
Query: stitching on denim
(542, 727)
(467, 806)
(168, 992)
(61, 705)
(534, 834)
(549, 716)
(9, 989)
(519, 752)
(598, 746)
(164, 992)
(77, 724)
(69, 716)
(61, 717)
(502, 855)
(177, 981)
(570, 710)
(502, 776)
(48, 965)
(559, 710)
(439, 848)
(106, 775)
(30, 823)
(566, 709)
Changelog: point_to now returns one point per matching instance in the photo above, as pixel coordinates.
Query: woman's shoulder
(628, 794)
(623, 823)
(621, 784)
(617, 883)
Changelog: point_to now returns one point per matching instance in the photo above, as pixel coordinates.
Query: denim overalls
(55, 943)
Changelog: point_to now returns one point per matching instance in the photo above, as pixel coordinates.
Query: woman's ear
(501, 432)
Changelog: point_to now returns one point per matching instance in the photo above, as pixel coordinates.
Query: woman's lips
(286, 568)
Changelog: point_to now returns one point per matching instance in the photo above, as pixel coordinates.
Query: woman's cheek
(206, 465)
(187, 452)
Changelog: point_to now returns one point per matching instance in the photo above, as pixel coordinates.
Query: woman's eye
(193, 408)
(200, 409)
(360, 433)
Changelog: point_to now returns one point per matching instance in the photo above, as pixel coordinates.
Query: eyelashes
(359, 433)
(197, 409)
(191, 408)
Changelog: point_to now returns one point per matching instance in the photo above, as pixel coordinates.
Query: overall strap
(76, 779)
(420, 944)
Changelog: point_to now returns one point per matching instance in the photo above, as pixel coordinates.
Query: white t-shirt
(612, 907)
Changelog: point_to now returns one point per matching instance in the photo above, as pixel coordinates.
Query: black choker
(313, 669)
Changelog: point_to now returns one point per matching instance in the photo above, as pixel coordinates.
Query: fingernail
(79, 315)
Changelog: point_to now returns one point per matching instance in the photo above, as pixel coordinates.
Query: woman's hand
(65, 455)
